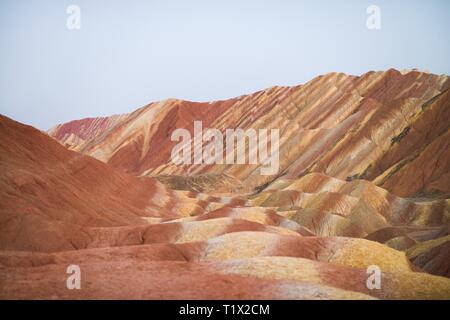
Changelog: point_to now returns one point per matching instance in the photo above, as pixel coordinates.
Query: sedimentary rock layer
(301, 237)
(391, 128)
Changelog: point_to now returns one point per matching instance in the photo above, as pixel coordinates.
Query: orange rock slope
(363, 182)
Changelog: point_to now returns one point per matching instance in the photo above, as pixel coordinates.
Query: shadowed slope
(48, 193)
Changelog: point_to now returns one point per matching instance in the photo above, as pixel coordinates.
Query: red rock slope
(135, 238)
(50, 195)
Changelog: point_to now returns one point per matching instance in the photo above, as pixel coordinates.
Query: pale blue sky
(129, 53)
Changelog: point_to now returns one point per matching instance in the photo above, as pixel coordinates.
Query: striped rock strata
(363, 181)
(386, 127)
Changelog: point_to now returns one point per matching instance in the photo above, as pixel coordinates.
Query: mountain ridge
(333, 111)
(140, 227)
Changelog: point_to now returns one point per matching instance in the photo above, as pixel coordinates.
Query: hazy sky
(129, 53)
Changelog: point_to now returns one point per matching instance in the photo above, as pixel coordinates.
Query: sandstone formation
(363, 181)
(385, 127)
